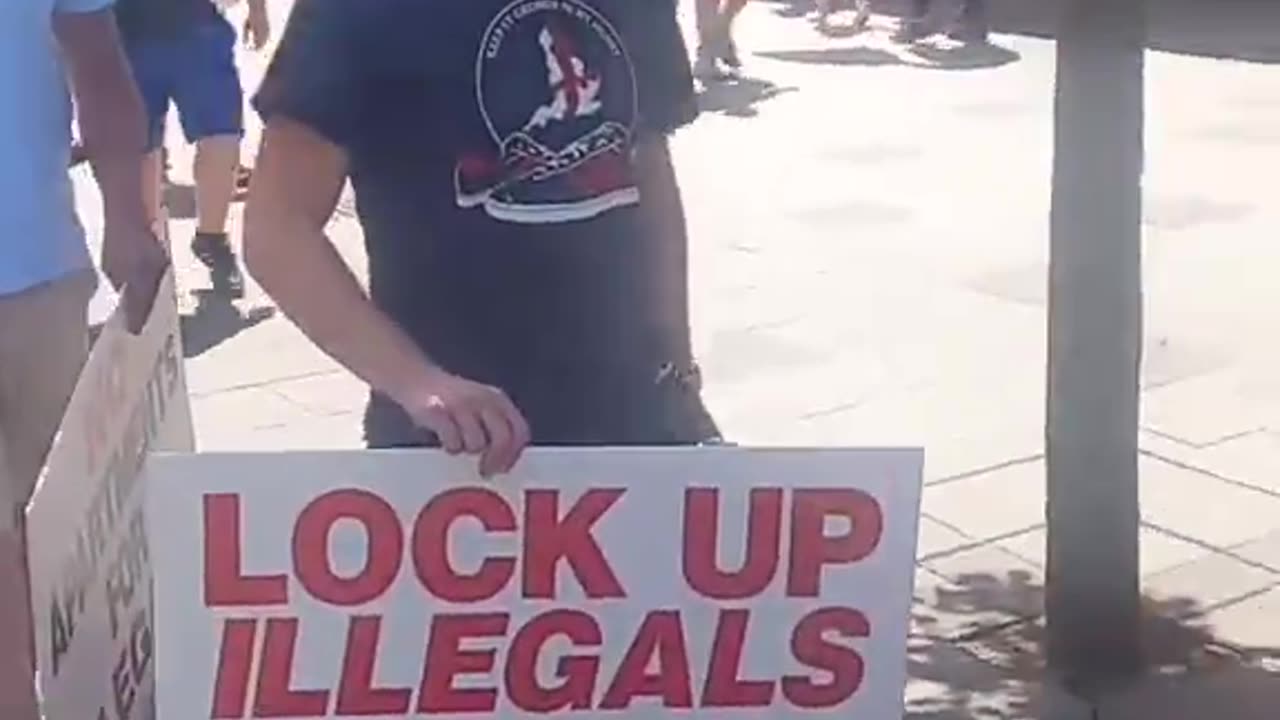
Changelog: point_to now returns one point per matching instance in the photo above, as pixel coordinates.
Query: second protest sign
(723, 581)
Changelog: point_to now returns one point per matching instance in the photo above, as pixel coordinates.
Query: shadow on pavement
(960, 57)
(215, 321)
(739, 97)
(992, 666)
(861, 56)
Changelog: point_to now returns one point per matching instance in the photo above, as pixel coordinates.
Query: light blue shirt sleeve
(80, 6)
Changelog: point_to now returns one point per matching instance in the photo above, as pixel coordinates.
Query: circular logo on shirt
(557, 91)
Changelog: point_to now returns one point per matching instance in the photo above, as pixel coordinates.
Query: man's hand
(135, 263)
(257, 26)
(296, 185)
(472, 418)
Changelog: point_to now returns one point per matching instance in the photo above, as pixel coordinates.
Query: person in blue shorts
(183, 54)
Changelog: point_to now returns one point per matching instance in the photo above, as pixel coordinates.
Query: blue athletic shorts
(196, 71)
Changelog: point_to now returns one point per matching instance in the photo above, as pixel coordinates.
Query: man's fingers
(474, 439)
(441, 422)
(476, 419)
(521, 436)
(501, 454)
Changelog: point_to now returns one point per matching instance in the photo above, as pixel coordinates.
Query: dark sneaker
(214, 251)
(970, 34)
(729, 55)
(912, 31)
(707, 67)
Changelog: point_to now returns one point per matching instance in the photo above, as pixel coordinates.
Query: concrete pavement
(870, 231)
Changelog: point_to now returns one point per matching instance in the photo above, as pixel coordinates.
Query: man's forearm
(113, 128)
(313, 286)
(111, 117)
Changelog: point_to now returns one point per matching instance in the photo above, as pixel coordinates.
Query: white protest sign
(714, 582)
(90, 571)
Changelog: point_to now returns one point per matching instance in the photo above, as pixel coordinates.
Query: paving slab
(1245, 691)
(1158, 550)
(948, 683)
(1203, 507)
(1201, 412)
(869, 232)
(973, 591)
(1253, 460)
(1198, 587)
(995, 504)
(1264, 551)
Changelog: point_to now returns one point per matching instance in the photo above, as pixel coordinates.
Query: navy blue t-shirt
(490, 146)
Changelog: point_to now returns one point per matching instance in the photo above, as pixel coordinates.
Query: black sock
(219, 238)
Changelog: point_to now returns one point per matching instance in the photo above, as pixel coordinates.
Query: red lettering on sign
(723, 687)
(356, 693)
(811, 547)
(311, 547)
(235, 659)
(446, 660)
(579, 672)
(548, 538)
(225, 584)
(274, 698)
(810, 646)
(431, 545)
(701, 544)
(660, 633)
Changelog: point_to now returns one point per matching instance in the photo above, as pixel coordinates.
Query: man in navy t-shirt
(525, 234)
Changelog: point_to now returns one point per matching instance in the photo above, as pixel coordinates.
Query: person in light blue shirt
(46, 276)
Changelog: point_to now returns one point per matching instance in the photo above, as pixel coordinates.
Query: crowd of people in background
(718, 56)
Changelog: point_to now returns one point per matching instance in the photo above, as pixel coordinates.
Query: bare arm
(113, 130)
(295, 190)
(296, 184)
(112, 122)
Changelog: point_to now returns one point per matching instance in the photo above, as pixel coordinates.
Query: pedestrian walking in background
(972, 26)
(46, 277)
(717, 49)
(183, 53)
(526, 239)
(860, 20)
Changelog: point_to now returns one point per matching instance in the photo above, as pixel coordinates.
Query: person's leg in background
(42, 350)
(710, 31)
(974, 26)
(217, 157)
(916, 25)
(210, 103)
(152, 67)
(729, 49)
